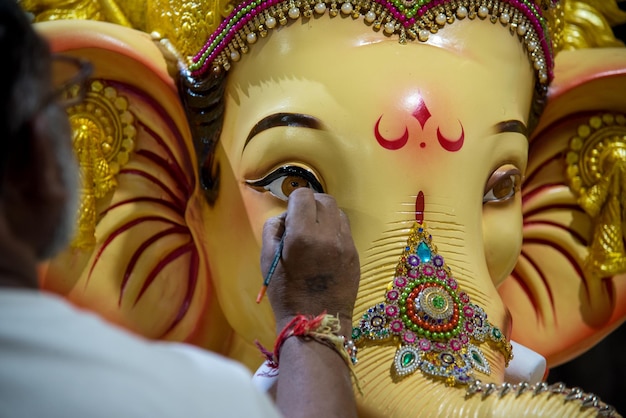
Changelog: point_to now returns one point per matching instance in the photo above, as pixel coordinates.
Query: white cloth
(527, 365)
(60, 362)
(265, 377)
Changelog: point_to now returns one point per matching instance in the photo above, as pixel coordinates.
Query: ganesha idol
(478, 148)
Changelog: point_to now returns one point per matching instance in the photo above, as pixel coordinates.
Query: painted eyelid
(498, 176)
(287, 170)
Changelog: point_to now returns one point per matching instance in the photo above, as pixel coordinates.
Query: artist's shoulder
(80, 365)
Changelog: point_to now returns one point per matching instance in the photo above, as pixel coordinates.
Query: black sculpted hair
(204, 105)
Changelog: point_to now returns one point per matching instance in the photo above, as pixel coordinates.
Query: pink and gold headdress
(410, 20)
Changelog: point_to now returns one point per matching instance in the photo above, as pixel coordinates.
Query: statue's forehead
(291, 73)
(327, 49)
(405, 121)
(351, 84)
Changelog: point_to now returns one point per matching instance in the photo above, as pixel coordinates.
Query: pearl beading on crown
(410, 20)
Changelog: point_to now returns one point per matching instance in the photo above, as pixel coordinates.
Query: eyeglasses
(69, 79)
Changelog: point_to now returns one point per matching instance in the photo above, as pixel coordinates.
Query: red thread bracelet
(323, 328)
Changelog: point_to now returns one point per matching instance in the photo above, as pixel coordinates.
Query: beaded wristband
(323, 328)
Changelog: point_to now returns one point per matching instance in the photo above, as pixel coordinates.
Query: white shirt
(57, 361)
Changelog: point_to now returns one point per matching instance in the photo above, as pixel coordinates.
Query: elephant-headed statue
(477, 146)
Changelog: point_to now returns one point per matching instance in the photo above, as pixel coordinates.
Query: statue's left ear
(568, 289)
(138, 258)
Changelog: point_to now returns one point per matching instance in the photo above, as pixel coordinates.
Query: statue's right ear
(138, 257)
(568, 289)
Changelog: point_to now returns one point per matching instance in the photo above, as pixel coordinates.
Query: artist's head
(38, 173)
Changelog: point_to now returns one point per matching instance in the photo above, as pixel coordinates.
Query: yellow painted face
(333, 105)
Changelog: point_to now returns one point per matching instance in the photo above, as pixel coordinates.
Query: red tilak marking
(449, 145)
(390, 144)
(419, 207)
(421, 113)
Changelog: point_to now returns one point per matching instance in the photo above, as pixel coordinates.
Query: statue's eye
(502, 185)
(284, 180)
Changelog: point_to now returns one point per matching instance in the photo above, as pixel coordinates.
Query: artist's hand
(319, 268)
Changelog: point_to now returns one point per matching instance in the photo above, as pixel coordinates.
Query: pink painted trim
(89, 34)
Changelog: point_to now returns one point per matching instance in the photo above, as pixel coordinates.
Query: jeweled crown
(186, 24)
(410, 20)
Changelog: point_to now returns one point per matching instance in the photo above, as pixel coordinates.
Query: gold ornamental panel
(596, 172)
(103, 139)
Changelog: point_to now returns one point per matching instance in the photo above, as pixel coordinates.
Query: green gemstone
(439, 301)
(407, 359)
(477, 358)
(356, 333)
(497, 334)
